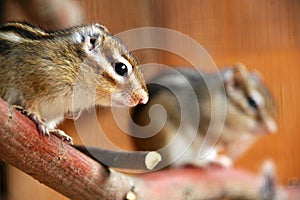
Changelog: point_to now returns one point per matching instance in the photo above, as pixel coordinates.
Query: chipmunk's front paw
(40, 124)
(62, 135)
(42, 127)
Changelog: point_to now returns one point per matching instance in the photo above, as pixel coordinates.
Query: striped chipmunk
(226, 114)
(49, 74)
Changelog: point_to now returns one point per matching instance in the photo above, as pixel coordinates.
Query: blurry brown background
(263, 34)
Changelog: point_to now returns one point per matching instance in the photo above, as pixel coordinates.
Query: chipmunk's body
(53, 73)
(205, 111)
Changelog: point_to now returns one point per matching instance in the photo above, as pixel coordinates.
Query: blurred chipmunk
(221, 115)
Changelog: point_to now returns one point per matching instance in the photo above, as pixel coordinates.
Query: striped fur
(44, 71)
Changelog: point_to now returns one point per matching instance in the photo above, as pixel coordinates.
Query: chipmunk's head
(116, 76)
(251, 107)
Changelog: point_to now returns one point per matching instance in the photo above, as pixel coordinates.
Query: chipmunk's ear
(90, 36)
(90, 42)
(102, 28)
(236, 77)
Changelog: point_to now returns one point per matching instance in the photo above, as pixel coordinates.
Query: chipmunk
(223, 112)
(47, 75)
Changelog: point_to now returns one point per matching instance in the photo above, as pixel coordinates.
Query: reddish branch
(55, 163)
(76, 176)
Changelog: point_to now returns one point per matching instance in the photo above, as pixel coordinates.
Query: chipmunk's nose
(139, 97)
(271, 126)
(142, 101)
(145, 98)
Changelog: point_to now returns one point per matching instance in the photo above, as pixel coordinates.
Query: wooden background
(263, 34)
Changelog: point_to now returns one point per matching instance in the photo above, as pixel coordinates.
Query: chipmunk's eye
(121, 69)
(252, 103)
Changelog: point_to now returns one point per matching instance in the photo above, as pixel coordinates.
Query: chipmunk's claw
(42, 127)
(40, 124)
(62, 135)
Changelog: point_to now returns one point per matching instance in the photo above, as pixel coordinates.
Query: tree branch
(55, 163)
(68, 171)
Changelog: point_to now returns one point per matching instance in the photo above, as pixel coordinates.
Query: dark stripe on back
(25, 33)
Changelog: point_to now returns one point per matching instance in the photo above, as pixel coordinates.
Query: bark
(55, 163)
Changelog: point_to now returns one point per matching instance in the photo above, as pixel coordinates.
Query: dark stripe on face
(129, 57)
(109, 78)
